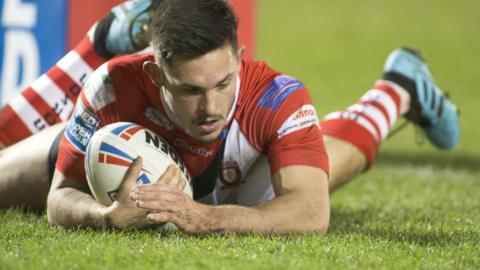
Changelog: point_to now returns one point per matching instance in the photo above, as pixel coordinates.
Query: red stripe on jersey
(70, 161)
(87, 51)
(380, 107)
(101, 158)
(350, 131)
(64, 82)
(85, 102)
(387, 89)
(42, 107)
(12, 128)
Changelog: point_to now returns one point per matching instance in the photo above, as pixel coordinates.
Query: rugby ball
(113, 148)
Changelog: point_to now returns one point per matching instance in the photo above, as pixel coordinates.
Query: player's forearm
(68, 206)
(289, 213)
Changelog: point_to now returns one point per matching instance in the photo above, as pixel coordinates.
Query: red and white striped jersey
(272, 124)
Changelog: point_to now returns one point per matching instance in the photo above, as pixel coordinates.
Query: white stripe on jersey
(99, 90)
(240, 152)
(238, 148)
(375, 114)
(384, 99)
(74, 66)
(30, 117)
(234, 104)
(54, 96)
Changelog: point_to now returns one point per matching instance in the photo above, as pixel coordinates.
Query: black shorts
(53, 154)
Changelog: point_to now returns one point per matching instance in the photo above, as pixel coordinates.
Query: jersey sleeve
(95, 108)
(289, 132)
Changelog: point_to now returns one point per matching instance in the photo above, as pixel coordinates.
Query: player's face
(199, 93)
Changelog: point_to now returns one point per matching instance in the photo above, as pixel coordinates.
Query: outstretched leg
(38, 110)
(354, 135)
(25, 170)
(50, 99)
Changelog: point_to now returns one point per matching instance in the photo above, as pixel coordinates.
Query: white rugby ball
(113, 148)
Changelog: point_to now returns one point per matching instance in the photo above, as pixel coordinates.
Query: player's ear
(240, 53)
(154, 72)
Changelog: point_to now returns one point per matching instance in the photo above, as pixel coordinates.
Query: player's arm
(70, 204)
(301, 205)
(69, 201)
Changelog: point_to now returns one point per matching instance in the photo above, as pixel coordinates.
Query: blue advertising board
(32, 38)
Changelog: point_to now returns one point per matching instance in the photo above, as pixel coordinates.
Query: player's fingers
(176, 179)
(182, 184)
(131, 174)
(158, 206)
(151, 196)
(154, 187)
(167, 175)
(156, 191)
(163, 217)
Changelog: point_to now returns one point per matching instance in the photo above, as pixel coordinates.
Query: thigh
(346, 161)
(25, 170)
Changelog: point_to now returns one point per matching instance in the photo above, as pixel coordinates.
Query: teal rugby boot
(124, 30)
(430, 108)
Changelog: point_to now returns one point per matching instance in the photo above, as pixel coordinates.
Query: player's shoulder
(265, 86)
(114, 79)
(256, 72)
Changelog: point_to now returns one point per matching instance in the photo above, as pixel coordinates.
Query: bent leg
(346, 161)
(354, 135)
(24, 180)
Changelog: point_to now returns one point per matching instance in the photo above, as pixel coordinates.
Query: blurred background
(337, 48)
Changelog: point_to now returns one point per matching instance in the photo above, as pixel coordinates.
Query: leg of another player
(354, 135)
(24, 166)
(50, 99)
(407, 89)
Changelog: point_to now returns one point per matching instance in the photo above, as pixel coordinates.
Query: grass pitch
(416, 208)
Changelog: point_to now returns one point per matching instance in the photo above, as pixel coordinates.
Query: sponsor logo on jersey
(155, 116)
(304, 117)
(202, 151)
(278, 91)
(230, 174)
(81, 127)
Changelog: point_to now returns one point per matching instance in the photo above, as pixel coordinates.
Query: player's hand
(166, 202)
(123, 213)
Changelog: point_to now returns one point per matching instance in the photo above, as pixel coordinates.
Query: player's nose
(209, 102)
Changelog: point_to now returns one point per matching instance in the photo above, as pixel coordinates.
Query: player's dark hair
(190, 28)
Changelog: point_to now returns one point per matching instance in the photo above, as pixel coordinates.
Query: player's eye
(223, 85)
(191, 90)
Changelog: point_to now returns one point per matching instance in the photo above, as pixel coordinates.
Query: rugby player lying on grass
(222, 112)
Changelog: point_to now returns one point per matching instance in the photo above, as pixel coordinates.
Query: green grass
(416, 208)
